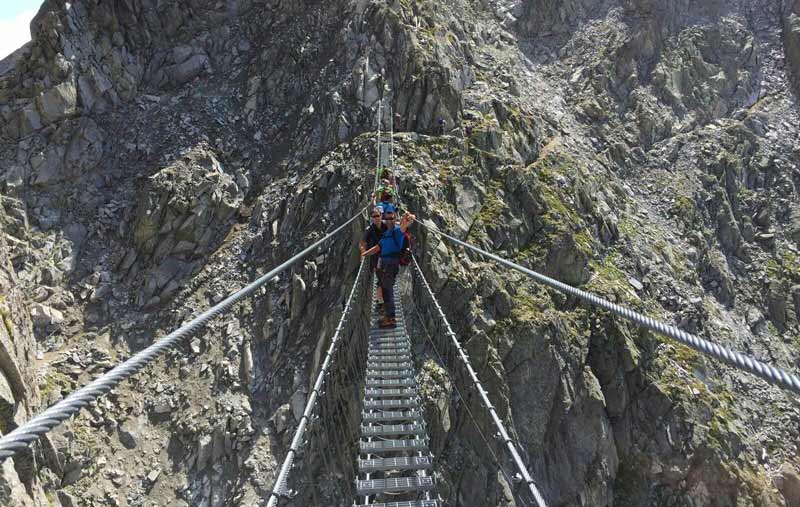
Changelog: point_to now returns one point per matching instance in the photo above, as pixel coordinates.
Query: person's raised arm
(406, 220)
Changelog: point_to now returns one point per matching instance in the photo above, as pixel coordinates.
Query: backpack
(405, 253)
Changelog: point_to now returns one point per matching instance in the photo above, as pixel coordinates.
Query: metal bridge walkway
(394, 461)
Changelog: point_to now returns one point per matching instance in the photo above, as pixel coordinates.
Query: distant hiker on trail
(371, 237)
(390, 248)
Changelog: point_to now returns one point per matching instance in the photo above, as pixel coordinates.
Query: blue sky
(15, 18)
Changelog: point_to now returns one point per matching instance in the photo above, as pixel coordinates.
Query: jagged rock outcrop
(20, 483)
(182, 215)
(791, 38)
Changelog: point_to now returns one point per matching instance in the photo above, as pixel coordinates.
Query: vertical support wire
(341, 337)
(472, 377)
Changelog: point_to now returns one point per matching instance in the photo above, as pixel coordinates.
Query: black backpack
(405, 252)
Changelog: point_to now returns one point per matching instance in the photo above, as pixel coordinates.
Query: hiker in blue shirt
(390, 247)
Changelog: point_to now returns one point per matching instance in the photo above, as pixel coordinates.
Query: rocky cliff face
(156, 156)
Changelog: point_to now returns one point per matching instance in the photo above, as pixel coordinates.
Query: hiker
(441, 126)
(389, 249)
(384, 195)
(372, 234)
(386, 173)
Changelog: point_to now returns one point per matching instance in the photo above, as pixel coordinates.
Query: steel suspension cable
(20, 438)
(463, 399)
(279, 488)
(771, 374)
(498, 423)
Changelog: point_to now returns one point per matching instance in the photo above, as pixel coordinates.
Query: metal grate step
(389, 374)
(409, 503)
(389, 404)
(377, 332)
(392, 429)
(402, 382)
(389, 345)
(380, 446)
(387, 339)
(385, 464)
(389, 359)
(389, 342)
(389, 393)
(388, 365)
(391, 416)
(394, 485)
(383, 350)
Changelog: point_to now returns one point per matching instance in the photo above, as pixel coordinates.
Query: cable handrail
(20, 438)
(498, 423)
(279, 487)
(771, 374)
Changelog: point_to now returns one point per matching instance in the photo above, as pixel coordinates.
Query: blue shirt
(391, 242)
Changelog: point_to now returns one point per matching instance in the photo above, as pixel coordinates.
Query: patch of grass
(685, 212)
(54, 382)
(607, 277)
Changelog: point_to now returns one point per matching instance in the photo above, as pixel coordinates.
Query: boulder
(57, 103)
(45, 316)
(204, 450)
(788, 483)
(129, 432)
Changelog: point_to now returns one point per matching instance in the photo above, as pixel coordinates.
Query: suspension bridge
(363, 437)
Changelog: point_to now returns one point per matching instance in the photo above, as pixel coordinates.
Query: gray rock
(44, 315)
(787, 480)
(48, 167)
(204, 450)
(57, 103)
(152, 477)
(795, 293)
(298, 404)
(776, 304)
(186, 71)
(129, 433)
(298, 296)
(281, 418)
(85, 148)
(66, 499)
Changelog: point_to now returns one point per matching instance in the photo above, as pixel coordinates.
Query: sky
(15, 19)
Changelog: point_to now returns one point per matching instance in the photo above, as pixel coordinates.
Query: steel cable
(498, 423)
(279, 489)
(20, 438)
(771, 374)
(464, 400)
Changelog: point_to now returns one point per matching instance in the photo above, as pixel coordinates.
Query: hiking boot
(386, 323)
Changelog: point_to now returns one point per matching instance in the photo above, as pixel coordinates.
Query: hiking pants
(387, 274)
